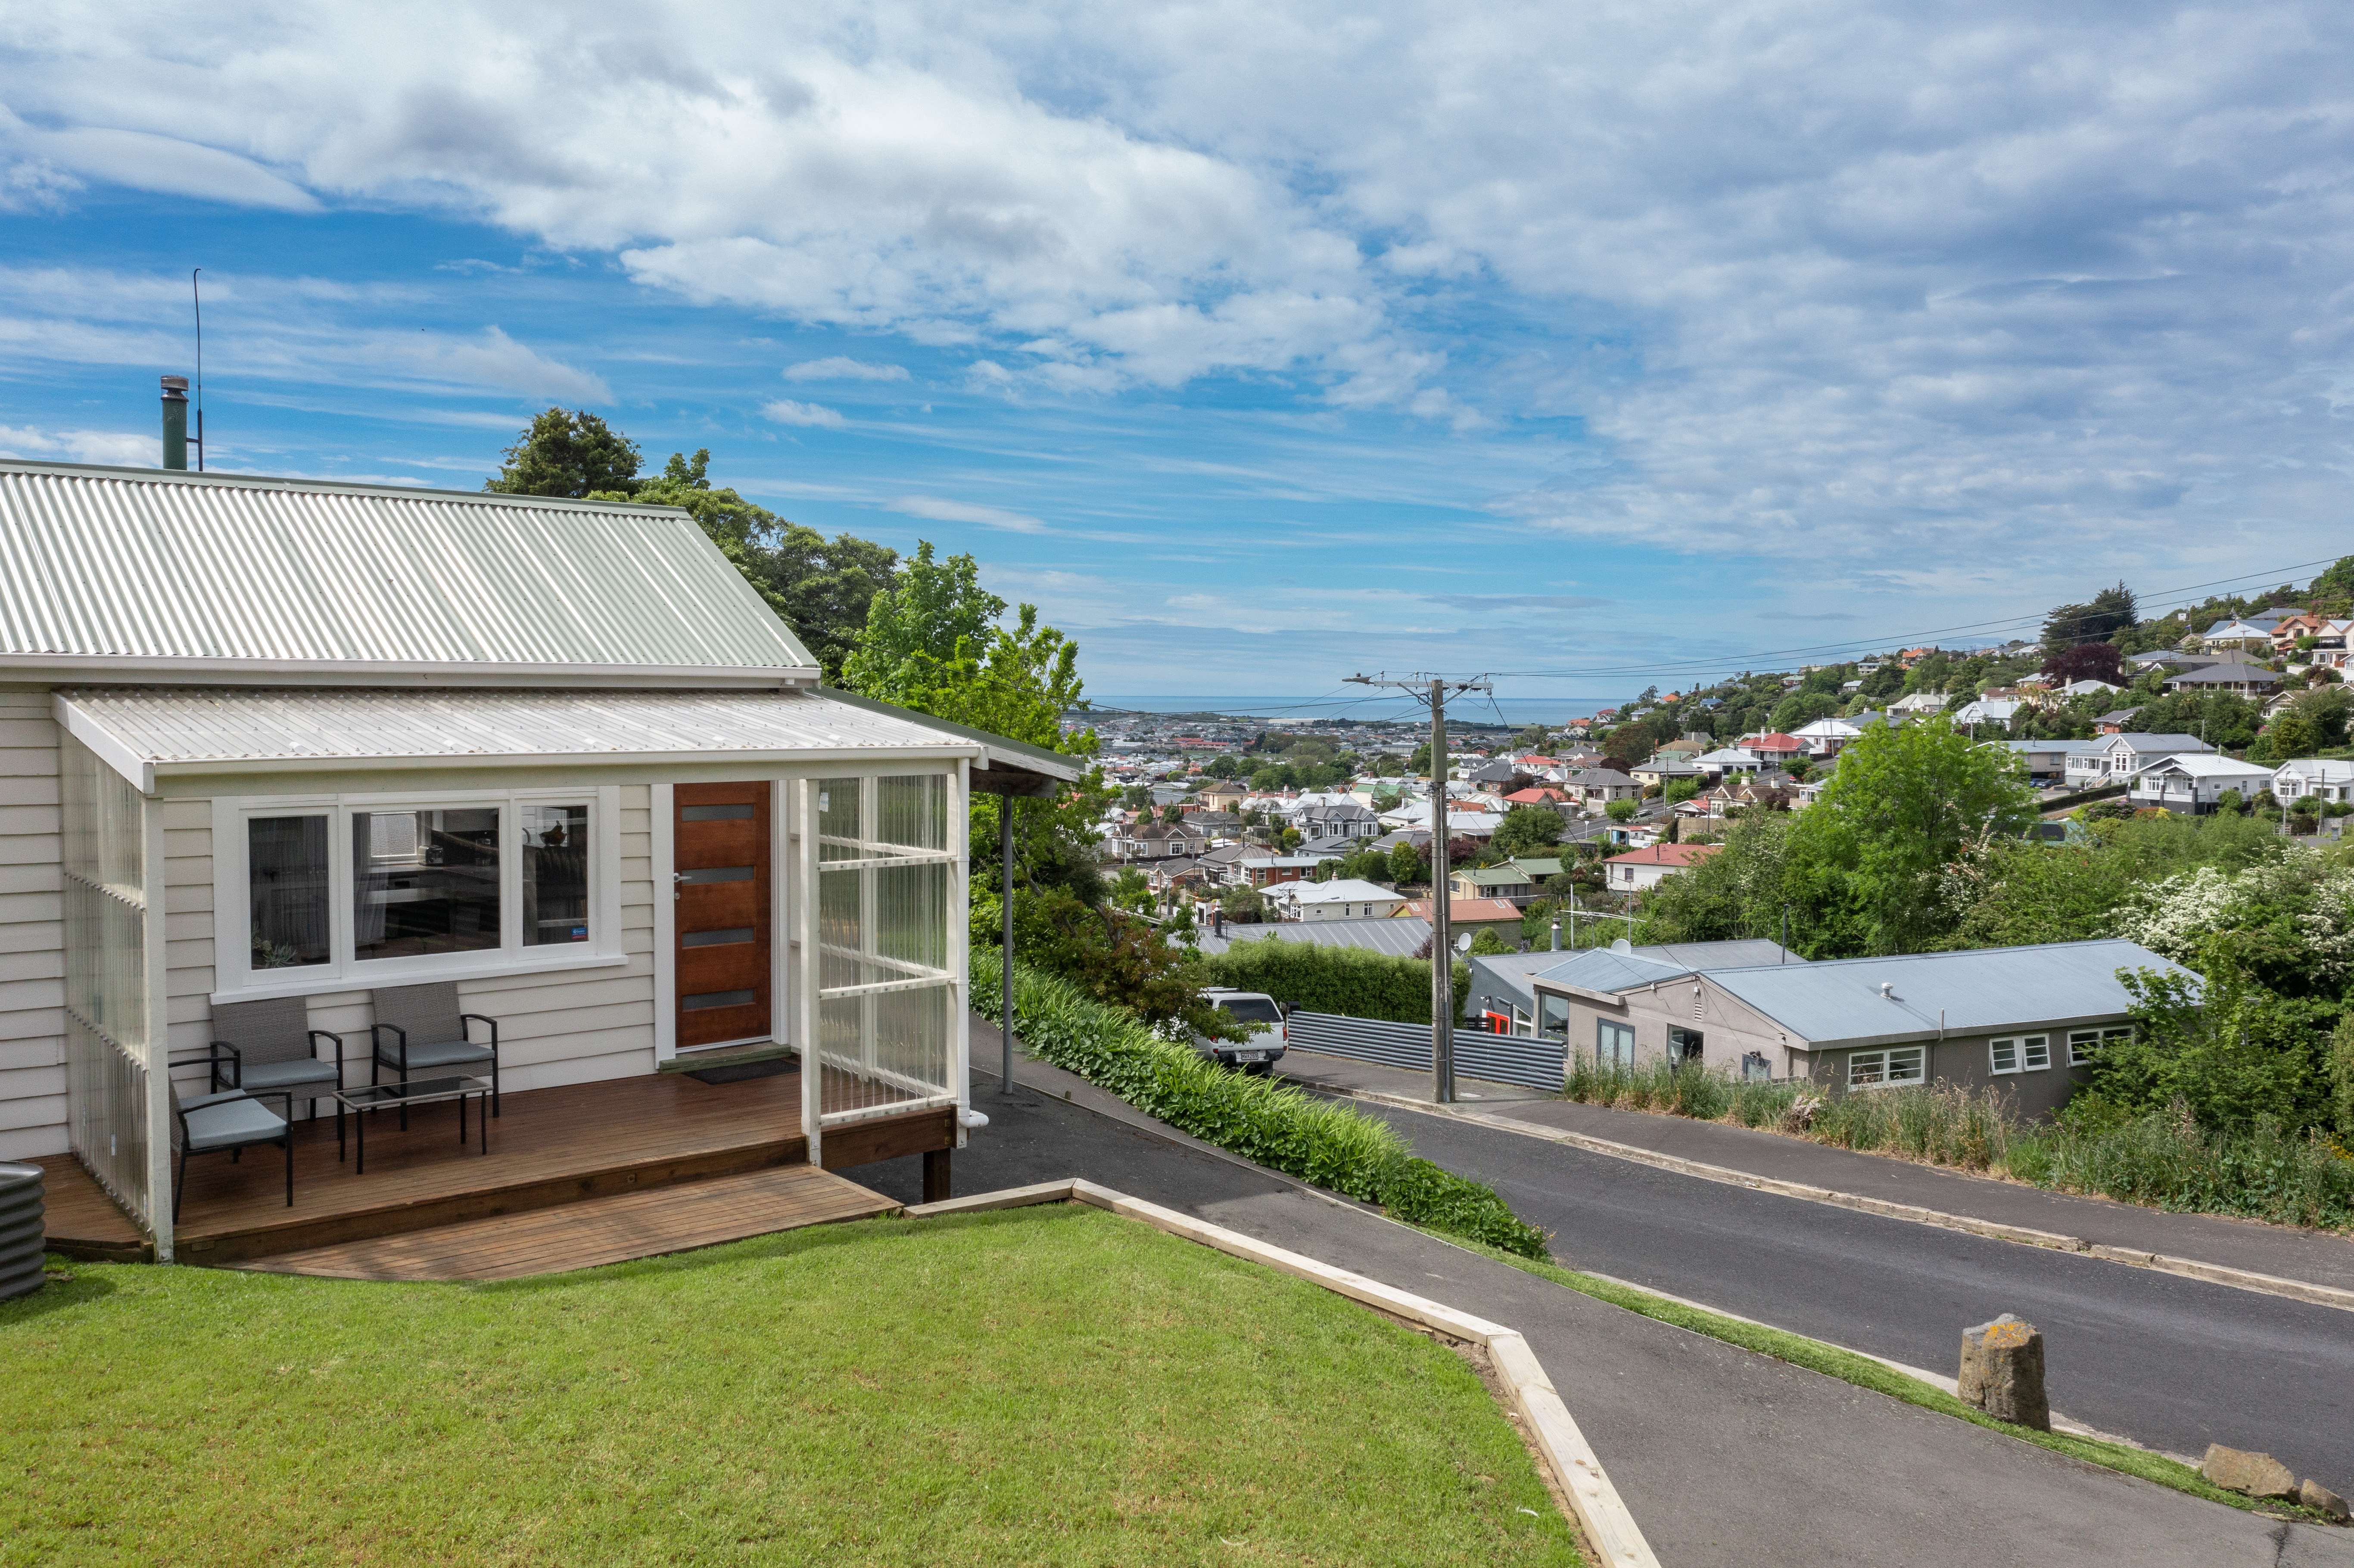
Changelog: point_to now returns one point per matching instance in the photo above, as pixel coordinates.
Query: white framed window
(1884, 1069)
(2085, 1043)
(328, 893)
(1614, 1044)
(2035, 1052)
(2002, 1055)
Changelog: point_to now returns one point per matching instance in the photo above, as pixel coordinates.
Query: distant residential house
(1343, 818)
(2116, 757)
(1661, 771)
(1691, 744)
(2240, 680)
(2192, 783)
(1466, 914)
(2114, 722)
(2047, 761)
(1215, 824)
(1343, 898)
(1540, 795)
(1269, 870)
(2014, 1017)
(1597, 787)
(1641, 870)
(2326, 779)
(2329, 637)
(1497, 777)
(2251, 634)
(1825, 737)
(1727, 759)
(2085, 688)
(1536, 868)
(1158, 840)
(1506, 881)
(1222, 797)
(1774, 748)
(1990, 712)
(1918, 702)
(2167, 659)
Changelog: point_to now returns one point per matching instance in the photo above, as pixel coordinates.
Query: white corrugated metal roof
(219, 575)
(1972, 991)
(142, 730)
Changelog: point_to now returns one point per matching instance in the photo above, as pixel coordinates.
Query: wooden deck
(83, 1222)
(551, 1147)
(596, 1231)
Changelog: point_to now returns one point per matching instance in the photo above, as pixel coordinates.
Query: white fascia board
(102, 745)
(213, 767)
(113, 670)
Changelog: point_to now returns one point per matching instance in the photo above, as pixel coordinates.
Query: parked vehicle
(1256, 1012)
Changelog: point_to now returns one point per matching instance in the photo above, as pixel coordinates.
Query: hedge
(1270, 1123)
(1331, 979)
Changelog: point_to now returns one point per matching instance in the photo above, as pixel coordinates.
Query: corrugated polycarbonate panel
(1532, 1061)
(158, 566)
(191, 725)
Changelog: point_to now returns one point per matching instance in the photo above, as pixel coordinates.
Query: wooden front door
(720, 852)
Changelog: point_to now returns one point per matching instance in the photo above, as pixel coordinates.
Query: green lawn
(1051, 1385)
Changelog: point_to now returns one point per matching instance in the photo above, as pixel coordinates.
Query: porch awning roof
(149, 731)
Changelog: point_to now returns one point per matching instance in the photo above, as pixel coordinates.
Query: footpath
(1728, 1460)
(2208, 1246)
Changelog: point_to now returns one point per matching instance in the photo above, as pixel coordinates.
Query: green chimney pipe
(176, 422)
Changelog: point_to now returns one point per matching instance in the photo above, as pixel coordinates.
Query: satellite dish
(1463, 944)
(1622, 946)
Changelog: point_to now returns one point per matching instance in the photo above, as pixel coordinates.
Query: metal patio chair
(420, 1032)
(269, 1047)
(229, 1119)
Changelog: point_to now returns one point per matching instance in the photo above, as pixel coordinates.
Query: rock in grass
(2002, 1371)
(2322, 1500)
(2257, 1475)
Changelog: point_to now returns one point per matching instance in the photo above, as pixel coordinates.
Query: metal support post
(1006, 909)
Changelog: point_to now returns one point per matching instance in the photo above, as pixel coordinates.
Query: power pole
(1433, 689)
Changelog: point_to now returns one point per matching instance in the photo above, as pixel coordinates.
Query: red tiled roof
(1777, 742)
(1466, 911)
(1537, 796)
(1664, 854)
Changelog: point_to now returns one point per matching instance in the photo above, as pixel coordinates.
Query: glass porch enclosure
(882, 981)
(114, 1040)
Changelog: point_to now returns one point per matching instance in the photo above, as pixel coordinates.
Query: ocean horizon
(1361, 702)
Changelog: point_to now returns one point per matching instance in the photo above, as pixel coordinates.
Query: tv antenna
(197, 295)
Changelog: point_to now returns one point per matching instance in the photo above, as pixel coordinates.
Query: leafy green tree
(1526, 830)
(1680, 789)
(1903, 805)
(1407, 864)
(937, 613)
(1737, 894)
(2112, 610)
(1172, 814)
(1136, 797)
(1487, 944)
(2292, 735)
(569, 453)
(1622, 811)
(1801, 708)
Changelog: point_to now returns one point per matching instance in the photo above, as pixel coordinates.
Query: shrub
(1330, 980)
(1270, 1123)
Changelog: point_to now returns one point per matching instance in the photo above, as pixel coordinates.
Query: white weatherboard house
(272, 738)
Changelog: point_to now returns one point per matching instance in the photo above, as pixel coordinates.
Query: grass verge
(1274, 1124)
(1848, 1366)
(2159, 1160)
(1038, 1385)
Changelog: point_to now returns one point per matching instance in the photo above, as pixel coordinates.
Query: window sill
(260, 989)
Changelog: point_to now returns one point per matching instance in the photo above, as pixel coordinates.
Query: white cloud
(943, 510)
(120, 448)
(785, 411)
(841, 369)
(494, 359)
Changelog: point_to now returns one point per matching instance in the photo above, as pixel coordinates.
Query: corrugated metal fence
(1531, 1062)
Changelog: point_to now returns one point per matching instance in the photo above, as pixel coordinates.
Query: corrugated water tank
(22, 1229)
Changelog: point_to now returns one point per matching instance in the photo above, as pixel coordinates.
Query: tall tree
(569, 453)
(937, 613)
(1902, 807)
(2112, 610)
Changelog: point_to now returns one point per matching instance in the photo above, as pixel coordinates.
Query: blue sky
(1258, 343)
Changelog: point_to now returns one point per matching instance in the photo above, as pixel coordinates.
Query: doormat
(736, 1073)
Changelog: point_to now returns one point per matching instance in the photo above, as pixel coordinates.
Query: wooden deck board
(552, 1146)
(596, 1231)
(82, 1221)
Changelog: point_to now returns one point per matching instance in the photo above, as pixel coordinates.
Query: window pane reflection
(425, 882)
(286, 876)
(556, 874)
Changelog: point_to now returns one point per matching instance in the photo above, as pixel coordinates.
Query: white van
(1258, 1012)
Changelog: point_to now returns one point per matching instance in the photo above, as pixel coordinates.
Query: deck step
(595, 1231)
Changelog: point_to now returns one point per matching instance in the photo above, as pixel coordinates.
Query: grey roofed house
(2013, 1019)
(2117, 716)
(1607, 971)
(1400, 937)
(2171, 658)
(2229, 676)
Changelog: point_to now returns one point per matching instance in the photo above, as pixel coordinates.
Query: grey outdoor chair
(420, 1033)
(269, 1047)
(229, 1119)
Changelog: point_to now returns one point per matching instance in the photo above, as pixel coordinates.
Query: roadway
(2173, 1363)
